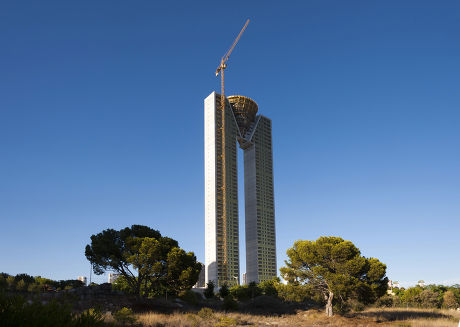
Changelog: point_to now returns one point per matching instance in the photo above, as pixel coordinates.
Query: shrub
(269, 304)
(456, 290)
(190, 297)
(206, 313)
(15, 311)
(429, 299)
(449, 300)
(351, 304)
(410, 296)
(355, 305)
(33, 288)
(268, 287)
(223, 291)
(240, 292)
(225, 322)
(90, 317)
(386, 301)
(293, 292)
(3, 283)
(124, 316)
(254, 290)
(209, 291)
(229, 303)
(21, 286)
(11, 283)
(342, 307)
(246, 292)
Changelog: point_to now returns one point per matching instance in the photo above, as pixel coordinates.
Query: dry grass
(396, 317)
(415, 317)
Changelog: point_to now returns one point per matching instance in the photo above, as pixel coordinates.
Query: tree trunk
(329, 299)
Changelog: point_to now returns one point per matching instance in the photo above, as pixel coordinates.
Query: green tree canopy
(429, 299)
(146, 260)
(411, 296)
(335, 268)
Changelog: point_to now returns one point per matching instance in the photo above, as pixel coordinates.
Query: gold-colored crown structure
(245, 110)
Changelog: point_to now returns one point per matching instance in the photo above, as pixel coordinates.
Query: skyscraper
(253, 134)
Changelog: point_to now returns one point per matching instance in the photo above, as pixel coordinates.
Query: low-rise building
(112, 277)
(201, 278)
(82, 279)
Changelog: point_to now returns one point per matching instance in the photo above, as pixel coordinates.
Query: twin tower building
(253, 134)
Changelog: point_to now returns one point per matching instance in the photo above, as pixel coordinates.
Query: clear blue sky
(101, 124)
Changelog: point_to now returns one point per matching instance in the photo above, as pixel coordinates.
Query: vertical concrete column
(250, 201)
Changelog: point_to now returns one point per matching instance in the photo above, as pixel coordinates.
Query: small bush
(449, 300)
(268, 287)
(225, 322)
(206, 313)
(355, 305)
(21, 286)
(124, 316)
(254, 290)
(11, 283)
(343, 307)
(240, 292)
(268, 304)
(385, 301)
(230, 303)
(209, 291)
(224, 291)
(3, 283)
(190, 297)
(34, 288)
(91, 317)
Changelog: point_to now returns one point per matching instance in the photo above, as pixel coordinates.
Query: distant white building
(82, 279)
(112, 277)
(421, 283)
(201, 281)
(390, 287)
(245, 281)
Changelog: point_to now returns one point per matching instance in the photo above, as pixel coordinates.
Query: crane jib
(221, 69)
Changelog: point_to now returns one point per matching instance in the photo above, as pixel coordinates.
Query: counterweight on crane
(221, 68)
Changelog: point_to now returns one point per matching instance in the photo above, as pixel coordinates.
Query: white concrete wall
(210, 188)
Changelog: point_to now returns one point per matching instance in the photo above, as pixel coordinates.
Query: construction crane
(221, 68)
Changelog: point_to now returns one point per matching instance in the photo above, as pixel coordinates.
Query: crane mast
(221, 68)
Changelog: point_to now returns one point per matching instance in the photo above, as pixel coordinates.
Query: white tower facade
(215, 270)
